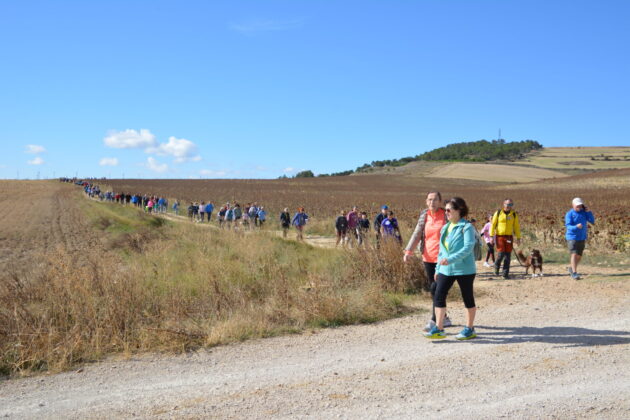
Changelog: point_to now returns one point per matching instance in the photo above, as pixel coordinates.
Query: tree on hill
(305, 174)
(481, 151)
(474, 151)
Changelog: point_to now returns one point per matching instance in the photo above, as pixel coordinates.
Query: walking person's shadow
(563, 336)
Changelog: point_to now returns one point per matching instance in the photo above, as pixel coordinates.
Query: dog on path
(533, 260)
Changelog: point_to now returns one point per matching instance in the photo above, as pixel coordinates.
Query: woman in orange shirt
(426, 239)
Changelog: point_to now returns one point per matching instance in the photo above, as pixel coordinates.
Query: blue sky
(255, 89)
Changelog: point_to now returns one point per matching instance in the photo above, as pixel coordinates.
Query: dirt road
(551, 347)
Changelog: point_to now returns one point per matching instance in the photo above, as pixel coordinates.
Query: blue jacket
(209, 208)
(299, 219)
(574, 218)
(460, 253)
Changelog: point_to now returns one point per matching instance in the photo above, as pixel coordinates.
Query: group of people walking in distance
(445, 239)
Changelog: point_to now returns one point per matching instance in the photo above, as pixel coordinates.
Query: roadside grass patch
(179, 287)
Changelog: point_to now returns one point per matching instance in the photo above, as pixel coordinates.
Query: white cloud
(108, 162)
(34, 149)
(130, 139)
(181, 149)
(156, 166)
(288, 170)
(36, 161)
(266, 25)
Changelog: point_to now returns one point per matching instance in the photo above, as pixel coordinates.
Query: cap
(385, 207)
(577, 201)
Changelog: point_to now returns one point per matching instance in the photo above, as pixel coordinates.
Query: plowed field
(39, 216)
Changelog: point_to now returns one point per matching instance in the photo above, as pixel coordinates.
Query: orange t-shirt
(432, 227)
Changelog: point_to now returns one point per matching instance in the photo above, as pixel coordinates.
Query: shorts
(504, 243)
(576, 247)
(342, 232)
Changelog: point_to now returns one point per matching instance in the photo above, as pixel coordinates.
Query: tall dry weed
(185, 288)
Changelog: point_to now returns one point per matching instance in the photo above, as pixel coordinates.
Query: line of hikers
(447, 242)
(353, 227)
(149, 203)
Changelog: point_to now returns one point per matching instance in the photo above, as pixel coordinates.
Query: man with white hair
(576, 221)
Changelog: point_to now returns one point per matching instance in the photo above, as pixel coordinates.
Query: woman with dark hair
(456, 263)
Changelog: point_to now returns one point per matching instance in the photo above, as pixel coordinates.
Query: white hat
(577, 201)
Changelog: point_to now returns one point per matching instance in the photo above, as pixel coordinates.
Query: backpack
(478, 246)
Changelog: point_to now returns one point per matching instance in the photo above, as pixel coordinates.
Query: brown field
(38, 218)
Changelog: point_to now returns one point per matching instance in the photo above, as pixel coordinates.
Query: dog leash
(517, 258)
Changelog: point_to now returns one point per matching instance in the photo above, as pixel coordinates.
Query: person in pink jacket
(485, 232)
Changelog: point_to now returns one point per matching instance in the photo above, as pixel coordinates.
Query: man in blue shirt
(576, 221)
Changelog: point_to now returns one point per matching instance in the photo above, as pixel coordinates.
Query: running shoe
(429, 326)
(575, 276)
(466, 334)
(435, 333)
(570, 270)
(447, 322)
(485, 264)
(496, 270)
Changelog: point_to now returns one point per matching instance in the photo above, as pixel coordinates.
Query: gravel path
(551, 347)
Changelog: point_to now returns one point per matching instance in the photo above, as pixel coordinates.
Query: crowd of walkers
(445, 239)
(230, 216)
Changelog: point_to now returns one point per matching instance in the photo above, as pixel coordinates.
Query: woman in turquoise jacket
(456, 262)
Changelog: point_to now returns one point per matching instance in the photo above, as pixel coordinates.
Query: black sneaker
(506, 276)
(496, 270)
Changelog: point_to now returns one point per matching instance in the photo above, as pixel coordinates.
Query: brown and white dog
(533, 260)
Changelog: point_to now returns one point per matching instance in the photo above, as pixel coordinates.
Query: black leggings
(444, 284)
(490, 252)
(429, 269)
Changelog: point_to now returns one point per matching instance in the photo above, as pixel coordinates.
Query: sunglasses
(449, 210)
(510, 204)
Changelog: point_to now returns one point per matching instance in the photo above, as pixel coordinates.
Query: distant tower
(499, 134)
(38, 175)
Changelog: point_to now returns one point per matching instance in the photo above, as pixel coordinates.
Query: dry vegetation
(172, 286)
(571, 159)
(480, 171)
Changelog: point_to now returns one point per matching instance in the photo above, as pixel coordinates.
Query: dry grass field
(579, 158)
(493, 172)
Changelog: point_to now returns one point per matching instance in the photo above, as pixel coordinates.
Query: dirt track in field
(38, 216)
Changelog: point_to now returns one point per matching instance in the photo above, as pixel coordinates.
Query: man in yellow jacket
(504, 228)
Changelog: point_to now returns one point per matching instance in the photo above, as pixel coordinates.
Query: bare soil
(38, 216)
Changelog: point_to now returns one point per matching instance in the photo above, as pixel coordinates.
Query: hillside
(547, 163)
(575, 159)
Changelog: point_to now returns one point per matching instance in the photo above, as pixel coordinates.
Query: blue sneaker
(435, 333)
(466, 334)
